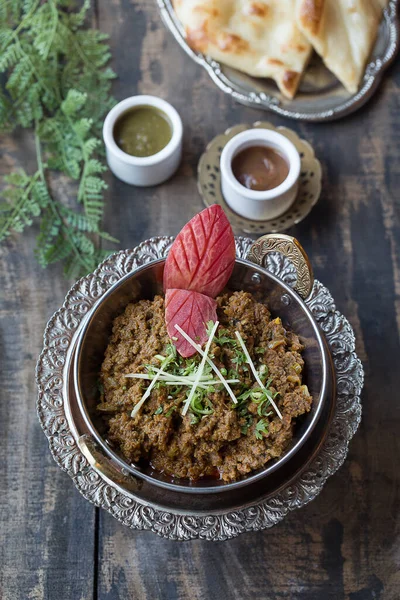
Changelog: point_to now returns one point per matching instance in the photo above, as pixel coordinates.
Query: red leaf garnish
(191, 311)
(202, 256)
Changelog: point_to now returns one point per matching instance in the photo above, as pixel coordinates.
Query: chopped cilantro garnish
(223, 338)
(246, 395)
(177, 376)
(194, 419)
(209, 327)
(249, 422)
(261, 427)
(201, 405)
(240, 358)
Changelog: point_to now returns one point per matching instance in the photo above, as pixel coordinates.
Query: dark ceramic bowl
(282, 301)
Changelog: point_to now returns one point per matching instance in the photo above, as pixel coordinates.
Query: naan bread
(258, 37)
(343, 33)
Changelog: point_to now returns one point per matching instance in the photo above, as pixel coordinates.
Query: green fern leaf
(55, 79)
(44, 26)
(16, 7)
(18, 178)
(94, 208)
(76, 20)
(79, 221)
(82, 127)
(90, 145)
(106, 236)
(3, 12)
(58, 251)
(94, 166)
(94, 186)
(6, 34)
(41, 194)
(108, 73)
(84, 244)
(73, 102)
(27, 6)
(49, 231)
(10, 57)
(20, 78)
(23, 206)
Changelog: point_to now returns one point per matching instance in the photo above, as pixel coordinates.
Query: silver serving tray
(177, 516)
(321, 97)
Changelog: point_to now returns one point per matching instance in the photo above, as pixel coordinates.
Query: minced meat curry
(215, 437)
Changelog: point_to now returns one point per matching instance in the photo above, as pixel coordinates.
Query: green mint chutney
(142, 131)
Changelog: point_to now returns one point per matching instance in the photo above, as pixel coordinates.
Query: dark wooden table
(345, 544)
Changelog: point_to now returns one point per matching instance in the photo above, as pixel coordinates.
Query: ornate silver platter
(257, 510)
(320, 98)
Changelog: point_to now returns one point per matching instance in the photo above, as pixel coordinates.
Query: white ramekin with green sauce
(143, 139)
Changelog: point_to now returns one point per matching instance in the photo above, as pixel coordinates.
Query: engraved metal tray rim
(58, 336)
(373, 73)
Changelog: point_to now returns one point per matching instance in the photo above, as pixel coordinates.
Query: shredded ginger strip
(147, 393)
(254, 371)
(200, 369)
(210, 362)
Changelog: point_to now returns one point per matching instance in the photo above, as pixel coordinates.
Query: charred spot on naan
(207, 10)
(290, 82)
(230, 42)
(311, 15)
(256, 9)
(299, 48)
(198, 39)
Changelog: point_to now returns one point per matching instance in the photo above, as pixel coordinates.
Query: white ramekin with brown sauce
(260, 172)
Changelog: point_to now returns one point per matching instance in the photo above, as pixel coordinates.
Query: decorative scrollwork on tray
(50, 407)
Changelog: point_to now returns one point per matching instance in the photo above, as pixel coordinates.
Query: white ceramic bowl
(148, 170)
(252, 204)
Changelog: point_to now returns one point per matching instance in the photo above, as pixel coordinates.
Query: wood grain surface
(346, 543)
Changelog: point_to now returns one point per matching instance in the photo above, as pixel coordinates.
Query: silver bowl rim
(125, 466)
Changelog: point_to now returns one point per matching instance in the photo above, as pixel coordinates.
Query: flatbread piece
(343, 33)
(258, 37)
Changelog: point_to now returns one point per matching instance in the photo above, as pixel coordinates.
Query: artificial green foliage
(55, 82)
